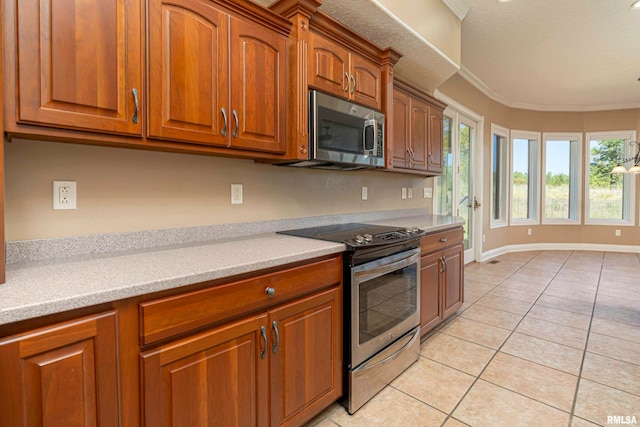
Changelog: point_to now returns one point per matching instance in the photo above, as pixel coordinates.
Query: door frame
(455, 108)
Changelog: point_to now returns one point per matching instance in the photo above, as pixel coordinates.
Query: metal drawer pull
(275, 328)
(270, 291)
(224, 128)
(134, 119)
(443, 240)
(263, 332)
(235, 131)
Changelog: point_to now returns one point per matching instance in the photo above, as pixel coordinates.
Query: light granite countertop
(48, 286)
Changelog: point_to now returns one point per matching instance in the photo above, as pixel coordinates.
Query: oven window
(386, 301)
(339, 132)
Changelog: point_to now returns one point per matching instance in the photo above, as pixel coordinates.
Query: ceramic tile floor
(548, 338)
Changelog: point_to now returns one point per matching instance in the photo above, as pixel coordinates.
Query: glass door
(455, 188)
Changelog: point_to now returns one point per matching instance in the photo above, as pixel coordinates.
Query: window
(499, 175)
(561, 183)
(609, 197)
(524, 177)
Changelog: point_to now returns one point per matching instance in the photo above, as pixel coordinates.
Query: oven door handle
(391, 357)
(371, 273)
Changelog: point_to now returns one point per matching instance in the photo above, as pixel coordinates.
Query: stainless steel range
(382, 303)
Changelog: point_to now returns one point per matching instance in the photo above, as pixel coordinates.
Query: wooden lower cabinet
(306, 357)
(441, 277)
(286, 361)
(65, 374)
(219, 377)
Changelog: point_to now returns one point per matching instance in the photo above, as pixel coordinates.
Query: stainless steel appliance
(382, 304)
(343, 135)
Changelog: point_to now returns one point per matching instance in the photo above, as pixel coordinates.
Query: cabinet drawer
(170, 316)
(441, 239)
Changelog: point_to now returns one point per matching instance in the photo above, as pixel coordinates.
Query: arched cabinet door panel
(79, 65)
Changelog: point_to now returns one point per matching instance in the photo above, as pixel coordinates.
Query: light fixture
(635, 4)
(635, 160)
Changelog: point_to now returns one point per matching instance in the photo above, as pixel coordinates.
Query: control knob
(359, 239)
(368, 238)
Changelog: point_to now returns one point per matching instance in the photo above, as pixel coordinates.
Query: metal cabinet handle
(263, 332)
(353, 88)
(413, 155)
(444, 261)
(134, 119)
(348, 82)
(443, 265)
(275, 328)
(224, 128)
(430, 158)
(235, 131)
(270, 291)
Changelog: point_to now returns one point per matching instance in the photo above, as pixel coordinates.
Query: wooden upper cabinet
(214, 78)
(400, 127)
(62, 375)
(328, 66)
(336, 70)
(258, 87)
(367, 82)
(416, 138)
(435, 160)
(79, 65)
(188, 72)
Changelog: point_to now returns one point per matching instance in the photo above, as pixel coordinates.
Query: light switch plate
(428, 192)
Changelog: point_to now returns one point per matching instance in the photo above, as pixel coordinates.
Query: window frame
(575, 187)
(534, 177)
(629, 179)
(504, 180)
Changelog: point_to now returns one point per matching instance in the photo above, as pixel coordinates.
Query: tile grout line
(586, 346)
(506, 339)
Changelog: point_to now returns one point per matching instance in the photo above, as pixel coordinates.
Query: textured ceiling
(569, 55)
(554, 55)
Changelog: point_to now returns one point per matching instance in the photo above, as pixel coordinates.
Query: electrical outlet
(64, 195)
(427, 193)
(236, 194)
(410, 193)
(365, 192)
(528, 231)
(484, 238)
(618, 233)
(404, 192)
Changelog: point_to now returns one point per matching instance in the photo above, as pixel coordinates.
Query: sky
(558, 154)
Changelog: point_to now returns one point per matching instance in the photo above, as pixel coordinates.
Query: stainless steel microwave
(343, 135)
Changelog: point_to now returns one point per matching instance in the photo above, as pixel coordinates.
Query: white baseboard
(557, 247)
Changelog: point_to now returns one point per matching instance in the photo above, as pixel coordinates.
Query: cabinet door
(328, 66)
(419, 134)
(306, 358)
(78, 64)
(216, 378)
(401, 129)
(430, 293)
(367, 78)
(63, 375)
(258, 87)
(188, 72)
(453, 280)
(435, 141)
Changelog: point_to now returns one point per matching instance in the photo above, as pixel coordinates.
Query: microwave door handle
(370, 123)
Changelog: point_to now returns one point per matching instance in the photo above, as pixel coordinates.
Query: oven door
(385, 302)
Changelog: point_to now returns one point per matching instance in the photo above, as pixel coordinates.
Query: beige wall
(433, 20)
(493, 112)
(131, 190)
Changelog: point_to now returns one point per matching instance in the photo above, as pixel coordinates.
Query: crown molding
(458, 7)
